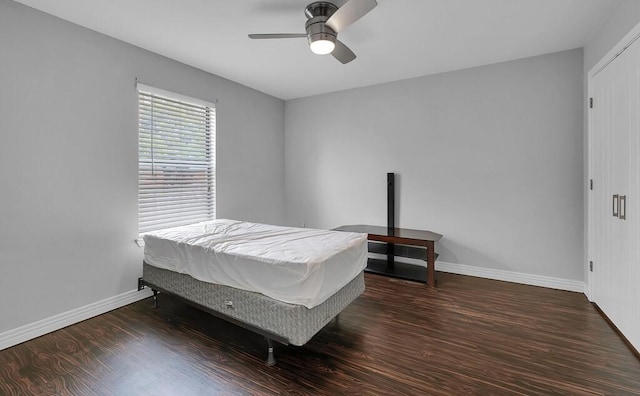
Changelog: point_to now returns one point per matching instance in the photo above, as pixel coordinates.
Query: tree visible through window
(176, 161)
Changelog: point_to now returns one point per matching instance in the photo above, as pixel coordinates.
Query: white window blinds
(176, 161)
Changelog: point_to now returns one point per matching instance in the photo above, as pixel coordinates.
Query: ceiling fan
(324, 21)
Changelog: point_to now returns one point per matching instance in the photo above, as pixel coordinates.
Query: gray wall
(620, 22)
(68, 160)
(491, 157)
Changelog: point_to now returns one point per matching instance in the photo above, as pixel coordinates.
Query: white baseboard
(47, 325)
(510, 276)
(502, 275)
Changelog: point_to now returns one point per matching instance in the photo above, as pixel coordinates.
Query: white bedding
(296, 265)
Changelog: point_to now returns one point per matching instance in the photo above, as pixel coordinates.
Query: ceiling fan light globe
(322, 47)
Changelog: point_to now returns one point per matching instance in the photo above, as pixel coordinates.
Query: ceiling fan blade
(277, 35)
(343, 53)
(350, 12)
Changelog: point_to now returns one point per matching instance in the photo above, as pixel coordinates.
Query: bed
(284, 283)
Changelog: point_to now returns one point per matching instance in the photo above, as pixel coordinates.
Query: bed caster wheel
(271, 360)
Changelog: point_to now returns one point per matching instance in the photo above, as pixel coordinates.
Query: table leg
(431, 264)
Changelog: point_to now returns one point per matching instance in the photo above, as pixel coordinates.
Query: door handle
(623, 207)
(615, 205)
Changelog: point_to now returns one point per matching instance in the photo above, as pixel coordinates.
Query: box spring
(291, 324)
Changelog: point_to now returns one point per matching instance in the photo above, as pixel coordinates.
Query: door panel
(614, 243)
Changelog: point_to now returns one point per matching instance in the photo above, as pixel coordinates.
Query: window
(176, 160)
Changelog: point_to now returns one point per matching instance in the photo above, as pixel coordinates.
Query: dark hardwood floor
(467, 336)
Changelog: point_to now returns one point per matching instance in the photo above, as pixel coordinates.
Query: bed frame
(275, 320)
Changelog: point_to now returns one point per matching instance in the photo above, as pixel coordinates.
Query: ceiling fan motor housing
(318, 13)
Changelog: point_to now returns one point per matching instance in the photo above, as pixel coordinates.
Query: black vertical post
(390, 218)
(391, 224)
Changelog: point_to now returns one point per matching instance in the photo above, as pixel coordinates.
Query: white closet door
(630, 227)
(615, 168)
(601, 203)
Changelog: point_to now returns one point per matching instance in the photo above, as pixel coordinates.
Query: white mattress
(296, 265)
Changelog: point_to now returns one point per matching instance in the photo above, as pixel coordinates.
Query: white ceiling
(399, 39)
